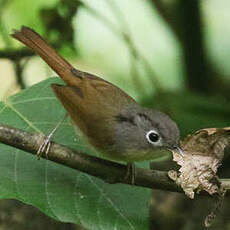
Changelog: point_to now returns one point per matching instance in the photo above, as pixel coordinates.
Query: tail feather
(33, 40)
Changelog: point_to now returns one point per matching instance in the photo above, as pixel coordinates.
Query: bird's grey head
(142, 129)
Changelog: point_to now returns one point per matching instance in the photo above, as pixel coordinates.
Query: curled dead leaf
(203, 153)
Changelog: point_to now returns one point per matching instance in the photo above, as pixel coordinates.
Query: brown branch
(109, 171)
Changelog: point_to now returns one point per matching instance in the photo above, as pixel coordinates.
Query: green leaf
(62, 193)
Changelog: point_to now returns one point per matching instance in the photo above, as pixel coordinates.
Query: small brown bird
(110, 119)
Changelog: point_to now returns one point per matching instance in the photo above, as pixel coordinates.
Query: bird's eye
(152, 137)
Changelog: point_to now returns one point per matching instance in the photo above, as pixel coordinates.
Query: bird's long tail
(33, 40)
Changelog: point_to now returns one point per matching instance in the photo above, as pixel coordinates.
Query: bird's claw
(44, 147)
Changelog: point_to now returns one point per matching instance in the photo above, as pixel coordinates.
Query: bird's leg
(45, 146)
(131, 172)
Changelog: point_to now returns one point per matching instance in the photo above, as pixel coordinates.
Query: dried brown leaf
(203, 153)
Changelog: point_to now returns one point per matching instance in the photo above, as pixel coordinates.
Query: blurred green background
(168, 54)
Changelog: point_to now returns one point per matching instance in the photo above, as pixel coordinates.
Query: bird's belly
(134, 156)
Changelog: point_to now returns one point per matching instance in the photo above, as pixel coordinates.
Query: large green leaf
(60, 192)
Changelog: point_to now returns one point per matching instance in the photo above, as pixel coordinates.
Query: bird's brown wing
(93, 106)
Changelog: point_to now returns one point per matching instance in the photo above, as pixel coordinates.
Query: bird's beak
(178, 149)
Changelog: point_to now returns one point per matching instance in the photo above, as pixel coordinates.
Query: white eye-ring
(152, 136)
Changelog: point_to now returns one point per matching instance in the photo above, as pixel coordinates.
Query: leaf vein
(30, 124)
(33, 100)
(111, 202)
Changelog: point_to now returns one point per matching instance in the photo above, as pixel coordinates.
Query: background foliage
(170, 55)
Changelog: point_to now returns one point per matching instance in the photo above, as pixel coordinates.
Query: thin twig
(18, 68)
(13, 54)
